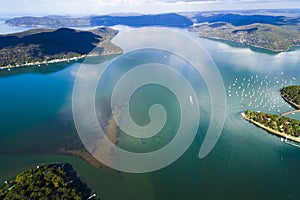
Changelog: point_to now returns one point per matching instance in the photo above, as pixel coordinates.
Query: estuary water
(246, 163)
(5, 29)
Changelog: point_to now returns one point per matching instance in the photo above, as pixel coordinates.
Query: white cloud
(84, 7)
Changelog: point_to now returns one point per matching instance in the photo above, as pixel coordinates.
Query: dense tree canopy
(278, 123)
(292, 93)
(56, 181)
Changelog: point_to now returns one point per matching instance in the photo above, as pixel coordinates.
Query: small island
(54, 181)
(45, 46)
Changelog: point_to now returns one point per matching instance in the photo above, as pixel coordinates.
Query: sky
(89, 7)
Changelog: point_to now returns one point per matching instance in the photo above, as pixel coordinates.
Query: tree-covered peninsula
(279, 125)
(55, 181)
(43, 46)
(270, 31)
(292, 95)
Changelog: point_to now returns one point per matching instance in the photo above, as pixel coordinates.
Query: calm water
(5, 29)
(247, 163)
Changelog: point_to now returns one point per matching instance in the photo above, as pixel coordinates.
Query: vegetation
(42, 45)
(278, 123)
(291, 94)
(238, 19)
(274, 31)
(272, 37)
(56, 181)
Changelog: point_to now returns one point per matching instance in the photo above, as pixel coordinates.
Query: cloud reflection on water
(246, 59)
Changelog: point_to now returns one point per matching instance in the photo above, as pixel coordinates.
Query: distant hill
(266, 36)
(274, 30)
(46, 45)
(277, 30)
(242, 20)
(166, 20)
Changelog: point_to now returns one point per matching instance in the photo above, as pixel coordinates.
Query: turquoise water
(247, 163)
(32, 98)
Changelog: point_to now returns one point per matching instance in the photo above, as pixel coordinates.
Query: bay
(246, 163)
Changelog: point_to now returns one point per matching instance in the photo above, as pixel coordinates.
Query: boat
(92, 196)
(191, 99)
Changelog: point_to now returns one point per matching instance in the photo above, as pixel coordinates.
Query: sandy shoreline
(83, 155)
(290, 102)
(44, 62)
(106, 52)
(295, 139)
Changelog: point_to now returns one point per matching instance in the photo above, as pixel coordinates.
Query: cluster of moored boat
(260, 92)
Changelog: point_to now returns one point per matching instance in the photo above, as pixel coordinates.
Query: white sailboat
(191, 99)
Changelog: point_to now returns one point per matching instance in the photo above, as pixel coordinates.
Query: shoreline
(270, 130)
(55, 61)
(247, 45)
(290, 102)
(43, 62)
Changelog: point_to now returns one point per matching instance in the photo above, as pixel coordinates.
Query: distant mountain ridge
(275, 30)
(242, 20)
(185, 20)
(167, 20)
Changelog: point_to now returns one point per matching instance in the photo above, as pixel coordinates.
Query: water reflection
(51, 68)
(258, 61)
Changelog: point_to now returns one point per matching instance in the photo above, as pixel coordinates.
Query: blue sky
(87, 7)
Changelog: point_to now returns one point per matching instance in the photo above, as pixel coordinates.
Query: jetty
(290, 143)
(290, 112)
